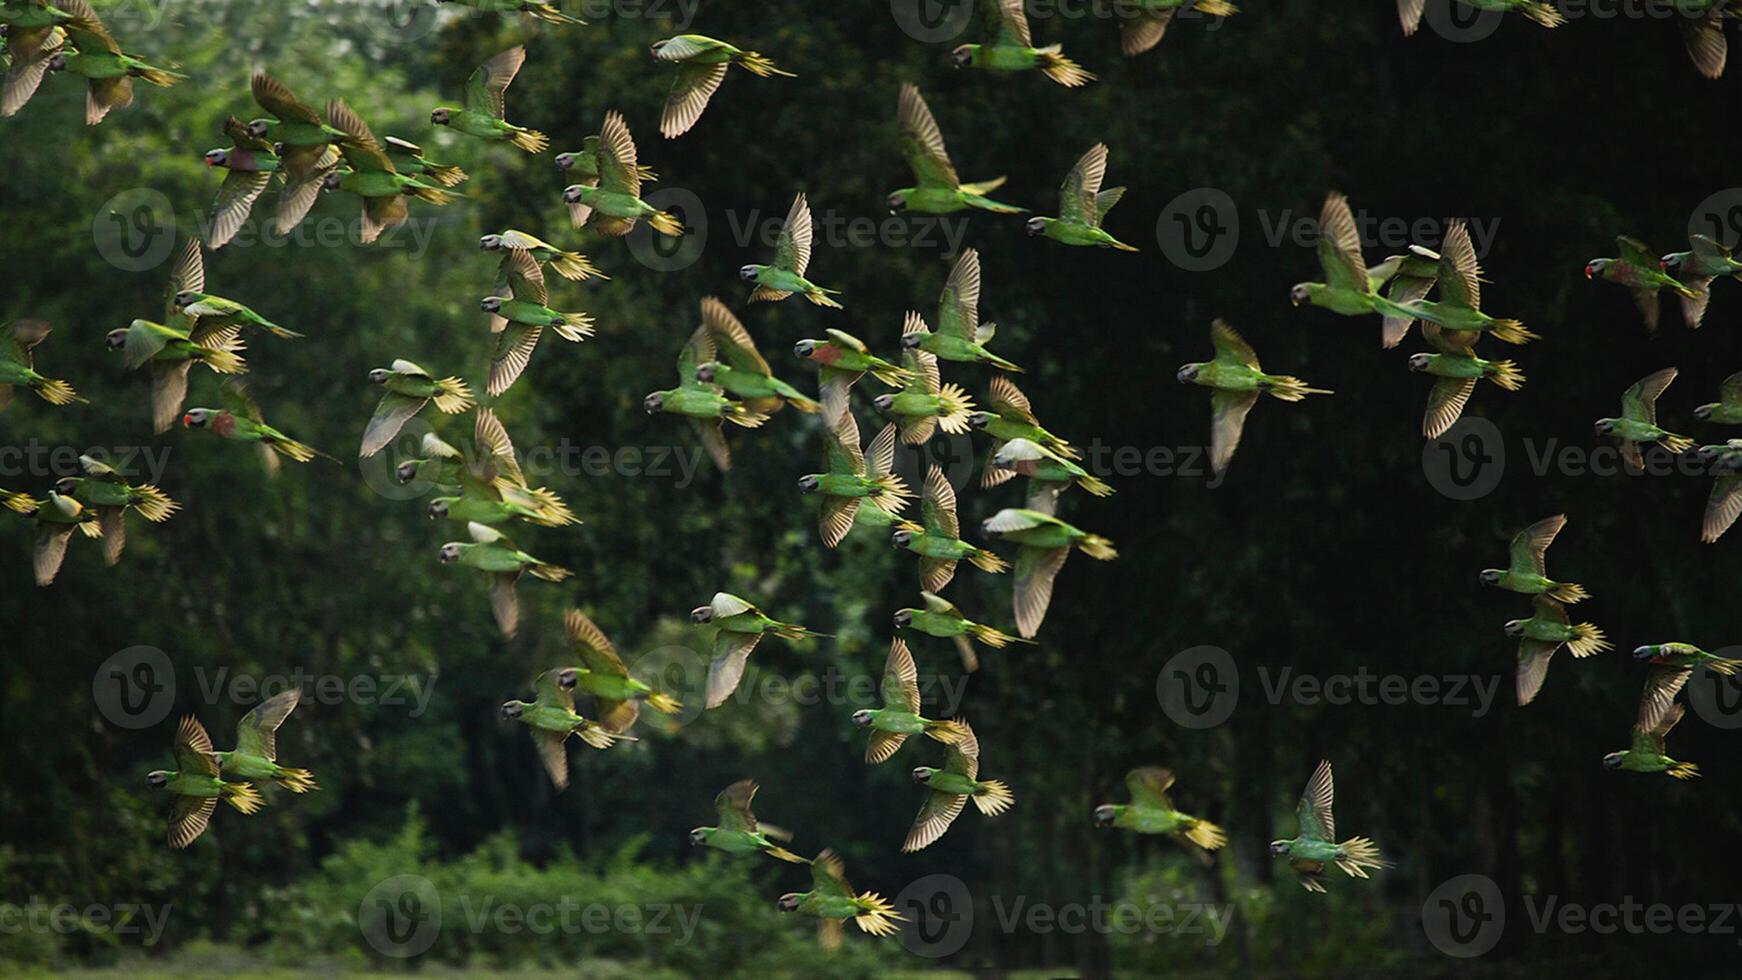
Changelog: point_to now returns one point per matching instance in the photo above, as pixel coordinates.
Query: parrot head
(805, 348)
(922, 774)
(1301, 293)
(438, 508)
(57, 61)
(379, 376)
(258, 128)
(512, 709)
(963, 56)
(450, 552)
(789, 901)
(702, 614)
(440, 116)
(217, 158)
(1595, 267)
(1036, 225)
(910, 341)
(896, 202)
(1671, 262)
(186, 297)
(749, 273)
(1105, 814)
(1515, 627)
(882, 402)
(407, 471)
(1491, 576)
(572, 194)
(1279, 847)
(65, 486)
(808, 483)
(490, 304)
(699, 836)
(490, 243)
(1420, 362)
(567, 678)
(654, 402)
(196, 418)
(1605, 426)
(1188, 372)
(979, 420)
(900, 538)
(1613, 760)
(157, 778)
(115, 339)
(705, 372)
(902, 618)
(1645, 652)
(331, 181)
(565, 160)
(863, 717)
(1704, 412)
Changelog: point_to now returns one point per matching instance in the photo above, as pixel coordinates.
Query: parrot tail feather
(445, 174)
(223, 358)
(1064, 449)
(1097, 547)
(161, 77)
(821, 298)
(985, 203)
(1121, 246)
(549, 509)
(1512, 332)
(664, 703)
(809, 406)
(993, 798)
(986, 561)
(878, 917)
(955, 407)
(793, 631)
(1291, 389)
(453, 396)
(549, 572)
(947, 732)
(295, 450)
(758, 64)
(1676, 444)
(430, 195)
(1723, 666)
(1359, 854)
(1061, 69)
(242, 797)
(1216, 8)
(295, 780)
(56, 392)
(153, 504)
(1506, 374)
(575, 327)
(1095, 485)
(891, 375)
(530, 140)
(741, 414)
(1567, 592)
(892, 494)
(1206, 835)
(776, 851)
(549, 14)
(666, 223)
(575, 266)
(1587, 640)
(1682, 770)
(599, 738)
(1542, 14)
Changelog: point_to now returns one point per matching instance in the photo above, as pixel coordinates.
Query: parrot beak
(186, 420)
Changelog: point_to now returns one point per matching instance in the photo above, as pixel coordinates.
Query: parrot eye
(1036, 225)
(1104, 815)
(216, 158)
(439, 117)
(882, 402)
(979, 420)
(921, 774)
(490, 304)
(568, 678)
(895, 202)
(450, 553)
(1644, 653)
(902, 618)
(747, 273)
(900, 538)
(490, 243)
(807, 483)
(65, 486)
(405, 471)
(788, 902)
(862, 717)
(438, 509)
(652, 403)
(565, 160)
(701, 614)
(156, 779)
(572, 194)
(115, 339)
(961, 56)
(378, 376)
(698, 837)
(803, 348)
(1491, 576)
(1187, 373)
(1514, 628)
(195, 419)
(1278, 848)
(1299, 294)
(511, 709)
(1703, 412)
(1419, 362)
(257, 129)
(1612, 761)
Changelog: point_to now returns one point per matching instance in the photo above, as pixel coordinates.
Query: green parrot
(1351, 287)
(240, 420)
(1541, 635)
(1407, 278)
(855, 476)
(1044, 542)
(1640, 273)
(211, 311)
(483, 118)
(372, 178)
(407, 158)
(1148, 20)
(702, 63)
(1025, 457)
(939, 543)
(740, 369)
(705, 405)
(1012, 417)
(550, 719)
(585, 164)
(249, 163)
(56, 519)
(492, 553)
(738, 832)
(792, 255)
(605, 676)
(899, 717)
(1537, 11)
(305, 139)
(1657, 715)
(106, 492)
(406, 389)
(196, 784)
(440, 464)
(925, 404)
(611, 202)
(950, 788)
(1528, 572)
(572, 266)
(255, 757)
(492, 488)
(27, 51)
(1685, 657)
(937, 189)
(1702, 29)
(96, 57)
(173, 347)
(842, 359)
(940, 618)
(1638, 421)
(530, 9)
(18, 341)
(1459, 308)
(1312, 849)
(1151, 812)
(1082, 205)
(960, 335)
(1238, 380)
(524, 313)
(1724, 504)
(738, 627)
(1727, 410)
(1457, 369)
(1705, 261)
(831, 901)
(1012, 48)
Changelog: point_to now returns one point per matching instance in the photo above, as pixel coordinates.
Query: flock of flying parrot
(723, 377)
